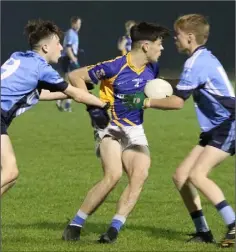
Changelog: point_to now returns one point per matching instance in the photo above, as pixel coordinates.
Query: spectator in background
(124, 43)
(69, 60)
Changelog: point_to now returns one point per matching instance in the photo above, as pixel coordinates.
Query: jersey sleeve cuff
(184, 94)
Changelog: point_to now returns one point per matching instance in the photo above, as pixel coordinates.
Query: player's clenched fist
(99, 116)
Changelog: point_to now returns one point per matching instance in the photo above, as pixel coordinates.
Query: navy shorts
(66, 65)
(221, 137)
(4, 126)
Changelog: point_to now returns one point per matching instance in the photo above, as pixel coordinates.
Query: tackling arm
(46, 95)
(79, 77)
(99, 116)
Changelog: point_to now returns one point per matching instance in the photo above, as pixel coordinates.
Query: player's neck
(138, 59)
(41, 54)
(193, 49)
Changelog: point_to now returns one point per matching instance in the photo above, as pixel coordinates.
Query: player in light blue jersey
(123, 143)
(205, 79)
(124, 44)
(27, 78)
(69, 59)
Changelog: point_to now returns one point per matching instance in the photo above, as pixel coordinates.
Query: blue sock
(199, 221)
(226, 212)
(118, 221)
(79, 219)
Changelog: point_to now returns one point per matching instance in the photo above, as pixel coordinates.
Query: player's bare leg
(136, 161)
(209, 159)
(188, 192)
(110, 151)
(191, 197)
(9, 170)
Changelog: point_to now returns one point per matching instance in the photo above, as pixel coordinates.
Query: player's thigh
(185, 167)
(208, 159)
(136, 160)
(8, 158)
(223, 137)
(110, 154)
(219, 143)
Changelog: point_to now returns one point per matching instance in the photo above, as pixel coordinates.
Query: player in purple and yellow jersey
(123, 144)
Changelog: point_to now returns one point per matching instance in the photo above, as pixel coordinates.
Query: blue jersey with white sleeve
(204, 77)
(23, 76)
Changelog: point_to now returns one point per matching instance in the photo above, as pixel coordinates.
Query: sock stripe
(221, 205)
(196, 214)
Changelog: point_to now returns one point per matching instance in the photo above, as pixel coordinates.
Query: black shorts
(221, 137)
(66, 66)
(4, 126)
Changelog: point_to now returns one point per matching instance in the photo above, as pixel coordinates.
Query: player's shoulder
(116, 63)
(30, 59)
(71, 32)
(153, 66)
(116, 60)
(201, 58)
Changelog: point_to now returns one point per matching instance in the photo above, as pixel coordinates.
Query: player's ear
(45, 48)
(191, 37)
(145, 46)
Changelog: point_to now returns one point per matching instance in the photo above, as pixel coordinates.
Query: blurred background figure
(124, 43)
(69, 59)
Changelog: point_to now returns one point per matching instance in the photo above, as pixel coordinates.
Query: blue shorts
(221, 137)
(66, 65)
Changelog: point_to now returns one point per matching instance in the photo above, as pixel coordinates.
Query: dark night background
(103, 23)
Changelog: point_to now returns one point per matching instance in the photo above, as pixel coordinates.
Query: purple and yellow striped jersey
(120, 77)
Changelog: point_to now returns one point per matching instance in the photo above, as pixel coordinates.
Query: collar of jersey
(36, 54)
(132, 67)
(74, 30)
(199, 48)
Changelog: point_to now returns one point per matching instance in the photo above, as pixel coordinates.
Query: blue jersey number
(9, 67)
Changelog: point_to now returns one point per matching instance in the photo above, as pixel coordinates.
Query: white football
(158, 89)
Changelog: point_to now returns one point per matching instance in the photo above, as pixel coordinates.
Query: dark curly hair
(37, 30)
(148, 31)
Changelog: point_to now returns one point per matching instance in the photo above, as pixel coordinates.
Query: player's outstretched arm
(83, 96)
(46, 95)
(79, 77)
(99, 117)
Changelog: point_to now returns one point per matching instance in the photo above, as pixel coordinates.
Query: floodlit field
(55, 153)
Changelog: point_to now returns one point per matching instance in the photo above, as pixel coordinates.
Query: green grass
(55, 153)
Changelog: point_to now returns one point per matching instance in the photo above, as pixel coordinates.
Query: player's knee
(195, 178)
(12, 173)
(140, 175)
(113, 178)
(13, 169)
(179, 180)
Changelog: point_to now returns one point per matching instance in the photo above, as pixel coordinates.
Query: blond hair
(129, 23)
(196, 24)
